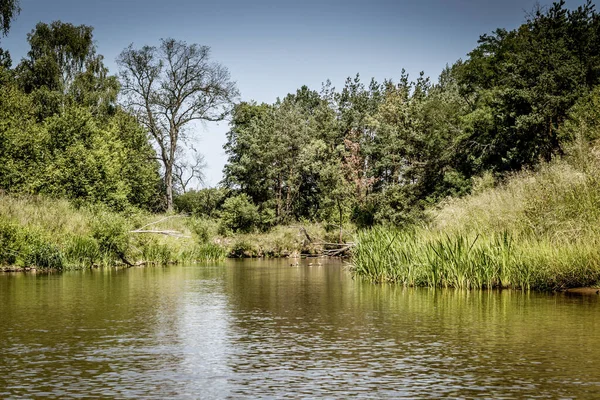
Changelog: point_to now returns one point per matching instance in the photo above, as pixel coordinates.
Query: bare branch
(167, 88)
(165, 232)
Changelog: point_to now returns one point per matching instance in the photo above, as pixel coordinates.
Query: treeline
(62, 132)
(72, 130)
(369, 154)
(382, 152)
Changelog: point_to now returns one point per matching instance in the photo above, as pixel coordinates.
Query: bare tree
(186, 172)
(168, 87)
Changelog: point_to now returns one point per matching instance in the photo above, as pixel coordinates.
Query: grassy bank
(42, 233)
(54, 234)
(538, 230)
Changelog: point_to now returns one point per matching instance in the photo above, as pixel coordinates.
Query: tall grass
(52, 233)
(538, 230)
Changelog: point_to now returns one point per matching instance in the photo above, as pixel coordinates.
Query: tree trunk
(341, 219)
(169, 186)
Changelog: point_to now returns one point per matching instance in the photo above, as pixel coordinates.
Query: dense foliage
(61, 130)
(380, 153)
(8, 9)
(371, 153)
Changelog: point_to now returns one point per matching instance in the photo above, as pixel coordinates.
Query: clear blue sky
(273, 47)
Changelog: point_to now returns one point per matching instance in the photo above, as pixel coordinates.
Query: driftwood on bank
(304, 231)
(167, 232)
(161, 232)
(337, 250)
(343, 248)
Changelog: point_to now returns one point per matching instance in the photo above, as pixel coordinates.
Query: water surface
(265, 329)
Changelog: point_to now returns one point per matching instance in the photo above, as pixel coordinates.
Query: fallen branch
(162, 232)
(303, 230)
(163, 219)
(337, 252)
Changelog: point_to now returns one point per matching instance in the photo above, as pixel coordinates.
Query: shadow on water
(260, 327)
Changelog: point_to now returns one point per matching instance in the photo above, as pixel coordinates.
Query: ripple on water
(254, 329)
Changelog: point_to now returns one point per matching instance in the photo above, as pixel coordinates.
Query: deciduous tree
(170, 86)
(8, 10)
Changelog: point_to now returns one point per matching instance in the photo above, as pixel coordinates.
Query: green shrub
(239, 215)
(204, 229)
(11, 242)
(268, 218)
(244, 248)
(202, 203)
(396, 205)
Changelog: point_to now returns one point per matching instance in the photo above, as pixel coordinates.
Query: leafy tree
(97, 163)
(22, 141)
(205, 202)
(63, 68)
(67, 137)
(8, 10)
(584, 119)
(276, 155)
(169, 86)
(522, 84)
(95, 88)
(58, 53)
(249, 149)
(337, 201)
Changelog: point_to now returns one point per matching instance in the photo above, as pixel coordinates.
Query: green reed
(472, 261)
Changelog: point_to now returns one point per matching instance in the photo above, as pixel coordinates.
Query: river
(256, 328)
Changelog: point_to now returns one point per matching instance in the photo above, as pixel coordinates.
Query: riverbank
(537, 230)
(53, 234)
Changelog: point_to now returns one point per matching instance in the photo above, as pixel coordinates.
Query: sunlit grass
(52, 233)
(538, 230)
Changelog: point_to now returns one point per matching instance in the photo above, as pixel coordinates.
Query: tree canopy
(382, 152)
(9, 9)
(369, 152)
(61, 131)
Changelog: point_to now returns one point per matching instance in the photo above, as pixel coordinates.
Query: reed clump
(537, 230)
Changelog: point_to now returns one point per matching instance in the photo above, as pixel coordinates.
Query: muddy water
(265, 329)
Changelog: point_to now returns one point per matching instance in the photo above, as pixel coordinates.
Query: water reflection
(315, 332)
(264, 328)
